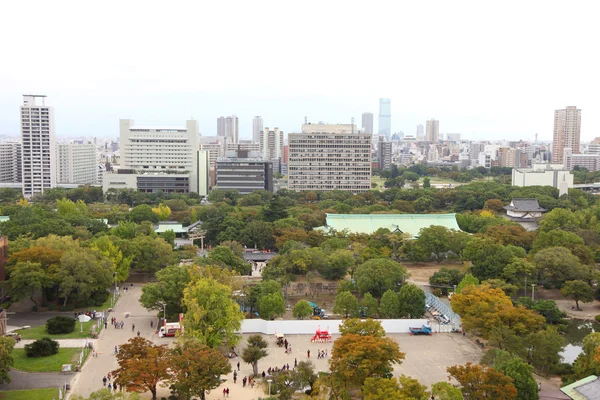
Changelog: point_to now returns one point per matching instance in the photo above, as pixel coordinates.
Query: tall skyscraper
(367, 122)
(385, 117)
(76, 163)
(257, 128)
(433, 131)
(420, 132)
(229, 127)
(11, 162)
(271, 144)
(37, 135)
(567, 131)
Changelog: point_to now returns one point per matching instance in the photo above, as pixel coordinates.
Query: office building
(271, 144)
(329, 128)
(432, 132)
(554, 175)
(420, 135)
(453, 137)
(385, 117)
(228, 127)
(594, 146)
(257, 128)
(567, 131)
(384, 154)
(243, 146)
(10, 162)
(76, 163)
(38, 145)
(367, 122)
(246, 175)
(591, 162)
(323, 161)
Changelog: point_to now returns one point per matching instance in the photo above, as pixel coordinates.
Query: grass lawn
(45, 364)
(39, 332)
(30, 394)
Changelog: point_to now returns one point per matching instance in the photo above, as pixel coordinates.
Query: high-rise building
(329, 128)
(11, 162)
(271, 144)
(384, 153)
(257, 128)
(246, 175)
(420, 135)
(433, 131)
(323, 161)
(385, 117)
(37, 138)
(229, 127)
(243, 146)
(367, 122)
(76, 163)
(567, 131)
(453, 137)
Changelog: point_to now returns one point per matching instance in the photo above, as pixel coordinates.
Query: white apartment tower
(229, 127)
(10, 162)
(367, 122)
(38, 146)
(76, 163)
(432, 131)
(257, 129)
(271, 144)
(567, 132)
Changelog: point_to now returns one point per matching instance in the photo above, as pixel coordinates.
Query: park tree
(6, 359)
(125, 230)
(367, 327)
(588, 362)
(105, 246)
(346, 304)
(27, 280)
(495, 205)
(389, 306)
(446, 278)
(302, 310)
(162, 212)
(169, 237)
(559, 219)
(150, 254)
(142, 365)
(478, 382)
(489, 258)
(578, 290)
(569, 240)
(226, 256)
(391, 389)
(543, 348)
(522, 375)
(338, 263)
(467, 280)
(411, 299)
(83, 273)
(445, 391)
(195, 369)
(439, 240)
(212, 315)
(67, 208)
(271, 305)
(142, 213)
(514, 235)
(369, 305)
(258, 234)
(556, 265)
(255, 350)
(167, 291)
(519, 271)
(378, 275)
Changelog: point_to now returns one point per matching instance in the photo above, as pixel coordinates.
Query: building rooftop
(177, 228)
(584, 389)
(403, 223)
(520, 204)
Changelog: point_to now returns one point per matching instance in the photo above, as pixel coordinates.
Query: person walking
(151, 324)
(238, 365)
(295, 362)
(133, 328)
(244, 381)
(115, 386)
(105, 324)
(227, 391)
(224, 392)
(138, 333)
(308, 353)
(104, 381)
(116, 350)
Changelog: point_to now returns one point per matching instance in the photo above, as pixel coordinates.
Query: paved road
(129, 310)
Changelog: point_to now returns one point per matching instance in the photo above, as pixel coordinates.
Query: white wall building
(257, 128)
(229, 127)
(76, 163)
(38, 145)
(10, 162)
(329, 128)
(271, 144)
(554, 175)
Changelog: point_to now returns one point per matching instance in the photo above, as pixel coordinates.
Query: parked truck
(169, 329)
(424, 330)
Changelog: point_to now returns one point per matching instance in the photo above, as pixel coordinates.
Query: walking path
(129, 310)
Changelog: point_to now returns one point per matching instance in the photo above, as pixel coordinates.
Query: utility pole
(533, 292)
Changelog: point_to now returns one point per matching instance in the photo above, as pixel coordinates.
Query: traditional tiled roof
(584, 389)
(524, 205)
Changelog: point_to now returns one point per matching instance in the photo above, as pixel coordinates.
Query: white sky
(489, 70)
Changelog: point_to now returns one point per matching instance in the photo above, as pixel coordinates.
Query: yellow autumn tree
(163, 212)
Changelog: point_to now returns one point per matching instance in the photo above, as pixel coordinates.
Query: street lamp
(532, 291)
(269, 380)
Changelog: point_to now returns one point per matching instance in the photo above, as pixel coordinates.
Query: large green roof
(405, 223)
(584, 389)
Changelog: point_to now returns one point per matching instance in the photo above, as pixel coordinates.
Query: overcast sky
(488, 70)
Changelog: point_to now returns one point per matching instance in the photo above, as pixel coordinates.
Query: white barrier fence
(308, 327)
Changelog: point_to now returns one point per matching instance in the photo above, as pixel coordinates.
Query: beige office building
(271, 144)
(330, 128)
(76, 163)
(567, 131)
(324, 161)
(432, 131)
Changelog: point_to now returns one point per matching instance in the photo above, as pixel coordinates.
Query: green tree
(150, 254)
(143, 213)
(258, 234)
(271, 305)
(588, 362)
(212, 315)
(557, 265)
(411, 300)
(105, 246)
(522, 375)
(171, 282)
(255, 350)
(579, 291)
(446, 391)
(162, 212)
(389, 306)
(368, 327)
(426, 183)
(519, 271)
(302, 309)
(489, 259)
(226, 256)
(544, 348)
(369, 305)
(27, 279)
(169, 237)
(346, 304)
(6, 359)
(446, 278)
(195, 369)
(338, 264)
(479, 382)
(468, 280)
(378, 275)
(83, 273)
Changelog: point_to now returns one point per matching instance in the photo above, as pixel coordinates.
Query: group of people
(322, 354)
(117, 324)
(245, 380)
(114, 386)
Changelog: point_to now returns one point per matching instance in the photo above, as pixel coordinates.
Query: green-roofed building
(584, 389)
(403, 223)
(178, 229)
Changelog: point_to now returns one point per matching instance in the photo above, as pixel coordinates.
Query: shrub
(52, 307)
(598, 317)
(42, 348)
(60, 324)
(437, 292)
(68, 307)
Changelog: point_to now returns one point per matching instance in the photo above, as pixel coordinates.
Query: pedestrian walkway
(64, 343)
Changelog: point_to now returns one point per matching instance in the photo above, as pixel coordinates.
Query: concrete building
(385, 117)
(11, 162)
(323, 161)
(243, 146)
(246, 175)
(453, 137)
(594, 146)
(38, 145)
(229, 127)
(271, 144)
(76, 163)
(215, 146)
(510, 158)
(329, 128)
(433, 131)
(475, 149)
(591, 162)
(257, 128)
(420, 135)
(567, 132)
(554, 175)
(384, 154)
(367, 122)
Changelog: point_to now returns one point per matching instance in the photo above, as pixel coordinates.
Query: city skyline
(498, 83)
